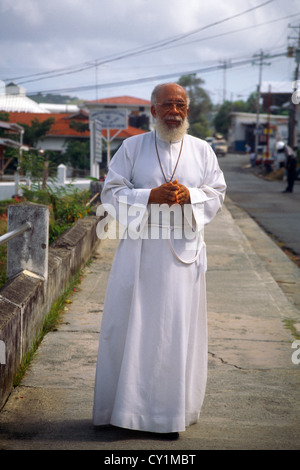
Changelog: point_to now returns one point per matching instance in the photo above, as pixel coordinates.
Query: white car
(220, 147)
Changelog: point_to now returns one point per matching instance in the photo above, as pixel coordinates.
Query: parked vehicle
(210, 140)
(220, 147)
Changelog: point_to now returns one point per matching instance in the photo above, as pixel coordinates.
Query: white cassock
(152, 360)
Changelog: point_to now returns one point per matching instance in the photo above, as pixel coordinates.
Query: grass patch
(50, 323)
(290, 325)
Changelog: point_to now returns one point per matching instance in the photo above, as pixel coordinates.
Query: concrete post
(2, 352)
(17, 181)
(61, 174)
(28, 251)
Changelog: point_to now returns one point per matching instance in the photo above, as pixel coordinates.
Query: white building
(242, 130)
(13, 99)
(59, 108)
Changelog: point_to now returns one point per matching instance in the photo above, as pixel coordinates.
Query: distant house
(22, 110)
(13, 99)
(60, 132)
(276, 97)
(59, 108)
(243, 127)
(6, 129)
(138, 109)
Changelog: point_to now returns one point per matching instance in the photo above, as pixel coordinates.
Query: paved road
(263, 200)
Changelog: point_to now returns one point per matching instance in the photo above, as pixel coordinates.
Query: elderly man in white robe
(164, 186)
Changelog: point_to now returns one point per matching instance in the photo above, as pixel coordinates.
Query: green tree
(3, 117)
(34, 163)
(200, 128)
(200, 105)
(36, 131)
(78, 153)
(252, 103)
(222, 118)
(9, 156)
(57, 99)
(79, 126)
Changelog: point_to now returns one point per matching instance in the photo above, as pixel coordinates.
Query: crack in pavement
(224, 362)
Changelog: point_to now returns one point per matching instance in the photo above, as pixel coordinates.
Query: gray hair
(158, 87)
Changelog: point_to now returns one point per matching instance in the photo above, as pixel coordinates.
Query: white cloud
(41, 36)
(29, 12)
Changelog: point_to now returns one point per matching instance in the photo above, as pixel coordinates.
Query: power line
(163, 43)
(237, 30)
(137, 51)
(153, 78)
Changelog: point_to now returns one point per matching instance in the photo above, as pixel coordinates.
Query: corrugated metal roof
(59, 108)
(11, 126)
(19, 104)
(10, 143)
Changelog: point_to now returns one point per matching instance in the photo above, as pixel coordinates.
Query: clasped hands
(170, 193)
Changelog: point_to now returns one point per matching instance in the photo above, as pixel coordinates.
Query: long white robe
(152, 360)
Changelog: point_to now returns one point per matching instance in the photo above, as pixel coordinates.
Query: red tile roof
(125, 133)
(123, 100)
(61, 125)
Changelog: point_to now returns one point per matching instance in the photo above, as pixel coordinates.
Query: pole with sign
(110, 118)
(95, 147)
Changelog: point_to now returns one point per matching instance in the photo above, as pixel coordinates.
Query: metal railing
(15, 233)
(27, 242)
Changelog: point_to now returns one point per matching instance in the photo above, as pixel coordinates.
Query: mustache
(174, 118)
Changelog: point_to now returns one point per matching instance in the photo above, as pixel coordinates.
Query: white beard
(171, 135)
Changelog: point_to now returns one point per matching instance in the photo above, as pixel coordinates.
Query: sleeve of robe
(119, 197)
(125, 202)
(207, 200)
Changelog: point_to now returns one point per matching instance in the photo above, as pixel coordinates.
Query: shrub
(66, 205)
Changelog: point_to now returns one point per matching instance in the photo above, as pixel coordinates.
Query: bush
(66, 205)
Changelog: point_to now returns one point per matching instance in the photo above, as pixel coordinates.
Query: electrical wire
(156, 77)
(137, 51)
(236, 30)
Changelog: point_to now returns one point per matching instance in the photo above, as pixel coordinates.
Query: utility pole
(260, 61)
(226, 63)
(295, 51)
(96, 79)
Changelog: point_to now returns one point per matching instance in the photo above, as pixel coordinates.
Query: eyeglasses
(167, 106)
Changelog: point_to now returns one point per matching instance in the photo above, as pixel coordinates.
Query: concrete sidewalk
(253, 390)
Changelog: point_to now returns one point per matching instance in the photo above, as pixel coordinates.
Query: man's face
(171, 106)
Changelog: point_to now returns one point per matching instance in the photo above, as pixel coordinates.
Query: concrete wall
(26, 299)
